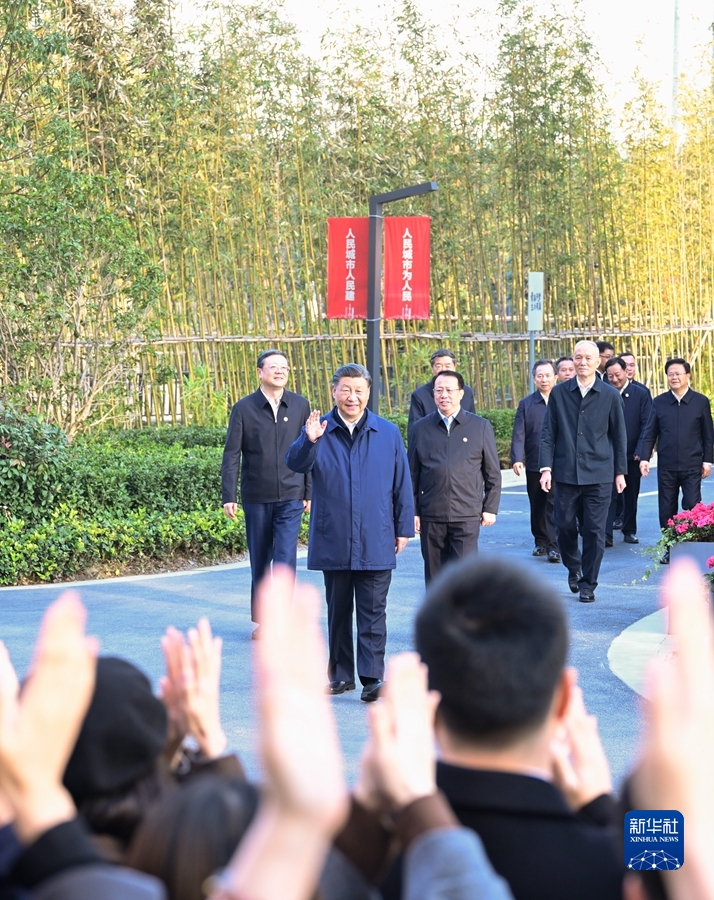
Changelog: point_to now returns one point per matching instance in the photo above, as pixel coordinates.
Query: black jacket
(423, 403)
(456, 475)
(254, 434)
(527, 427)
(637, 404)
(533, 839)
(683, 432)
(583, 439)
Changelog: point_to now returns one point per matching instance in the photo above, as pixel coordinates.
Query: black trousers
(625, 504)
(668, 487)
(542, 512)
(588, 505)
(271, 531)
(442, 542)
(366, 592)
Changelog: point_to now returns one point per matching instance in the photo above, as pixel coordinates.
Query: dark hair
(449, 373)
(604, 345)
(677, 361)
(119, 813)
(628, 353)
(266, 353)
(193, 832)
(495, 639)
(351, 370)
(441, 352)
(616, 360)
(543, 362)
(561, 359)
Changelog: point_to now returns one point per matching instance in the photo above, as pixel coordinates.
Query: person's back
(495, 642)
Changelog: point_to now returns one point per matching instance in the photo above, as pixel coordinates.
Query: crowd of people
(482, 777)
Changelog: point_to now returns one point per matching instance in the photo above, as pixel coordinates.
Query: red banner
(407, 259)
(347, 249)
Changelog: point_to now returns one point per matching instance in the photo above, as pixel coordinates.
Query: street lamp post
(374, 280)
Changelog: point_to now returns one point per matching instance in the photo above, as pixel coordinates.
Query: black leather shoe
(573, 579)
(665, 558)
(609, 541)
(587, 596)
(370, 692)
(617, 524)
(339, 687)
(553, 556)
(540, 551)
(630, 539)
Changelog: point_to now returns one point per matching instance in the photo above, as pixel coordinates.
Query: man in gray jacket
(456, 476)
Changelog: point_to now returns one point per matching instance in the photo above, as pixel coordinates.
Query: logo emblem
(654, 839)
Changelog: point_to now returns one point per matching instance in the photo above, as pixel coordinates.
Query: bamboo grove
(163, 204)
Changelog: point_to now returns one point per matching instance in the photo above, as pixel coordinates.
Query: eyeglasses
(446, 390)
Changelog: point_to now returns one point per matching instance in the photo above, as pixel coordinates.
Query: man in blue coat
(362, 517)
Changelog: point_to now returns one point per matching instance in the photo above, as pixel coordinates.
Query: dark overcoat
(260, 442)
(583, 439)
(527, 427)
(456, 474)
(682, 430)
(361, 494)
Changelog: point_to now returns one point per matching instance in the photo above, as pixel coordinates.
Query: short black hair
(561, 359)
(604, 345)
(266, 353)
(449, 373)
(543, 362)
(442, 351)
(351, 370)
(495, 640)
(677, 361)
(628, 353)
(616, 359)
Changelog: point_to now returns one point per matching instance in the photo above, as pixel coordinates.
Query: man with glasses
(606, 352)
(262, 427)
(456, 476)
(680, 423)
(422, 401)
(362, 517)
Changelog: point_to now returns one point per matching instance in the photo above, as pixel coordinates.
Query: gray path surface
(129, 616)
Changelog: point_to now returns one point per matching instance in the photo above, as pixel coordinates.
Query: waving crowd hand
(191, 688)
(38, 729)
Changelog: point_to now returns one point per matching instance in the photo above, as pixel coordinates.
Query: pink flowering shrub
(696, 524)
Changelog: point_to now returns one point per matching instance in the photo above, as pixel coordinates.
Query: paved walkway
(129, 615)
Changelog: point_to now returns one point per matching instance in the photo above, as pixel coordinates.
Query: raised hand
(675, 769)
(38, 730)
(305, 799)
(580, 767)
(171, 690)
(201, 669)
(399, 759)
(314, 428)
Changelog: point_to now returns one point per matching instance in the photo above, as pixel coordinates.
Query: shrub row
(122, 478)
(67, 541)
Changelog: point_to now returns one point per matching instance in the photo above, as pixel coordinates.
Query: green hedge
(187, 436)
(68, 541)
(124, 477)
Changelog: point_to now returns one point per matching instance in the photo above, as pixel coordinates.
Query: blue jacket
(361, 494)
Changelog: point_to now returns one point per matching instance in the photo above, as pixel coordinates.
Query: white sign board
(535, 301)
